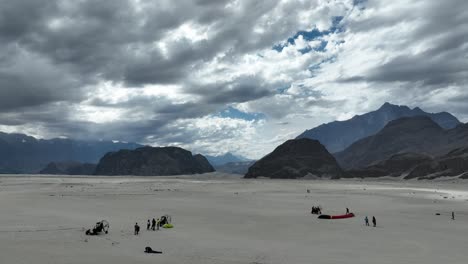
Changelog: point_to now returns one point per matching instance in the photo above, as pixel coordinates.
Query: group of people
(316, 210)
(374, 221)
(151, 224)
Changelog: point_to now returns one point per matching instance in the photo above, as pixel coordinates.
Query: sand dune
(225, 219)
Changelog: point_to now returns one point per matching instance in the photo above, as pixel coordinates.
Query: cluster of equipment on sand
(101, 226)
(318, 211)
(165, 221)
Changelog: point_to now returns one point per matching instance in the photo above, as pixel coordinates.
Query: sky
(217, 76)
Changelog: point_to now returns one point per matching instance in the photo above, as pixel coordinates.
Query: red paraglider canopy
(336, 216)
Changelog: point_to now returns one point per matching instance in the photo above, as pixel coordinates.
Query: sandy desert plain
(225, 219)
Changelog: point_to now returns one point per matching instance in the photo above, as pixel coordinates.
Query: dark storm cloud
(94, 41)
(29, 80)
(238, 90)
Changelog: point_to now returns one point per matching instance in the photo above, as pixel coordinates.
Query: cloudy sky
(223, 75)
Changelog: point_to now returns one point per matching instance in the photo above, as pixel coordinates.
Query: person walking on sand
(153, 225)
(148, 225)
(137, 229)
(374, 222)
(366, 220)
(453, 215)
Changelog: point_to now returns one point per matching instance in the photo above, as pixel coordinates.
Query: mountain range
(418, 134)
(20, 153)
(338, 135)
(393, 140)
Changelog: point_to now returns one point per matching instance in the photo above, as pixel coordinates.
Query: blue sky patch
(232, 112)
(314, 34)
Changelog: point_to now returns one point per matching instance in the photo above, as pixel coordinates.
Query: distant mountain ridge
(224, 159)
(338, 135)
(21, 153)
(235, 167)
(418, 134)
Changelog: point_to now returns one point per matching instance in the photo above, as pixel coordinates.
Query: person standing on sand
(374, 222)
(347, 210)
(453, 215)
(157, 224)
(366, 220)
(137, 229)
(148, 225)
(153, 226)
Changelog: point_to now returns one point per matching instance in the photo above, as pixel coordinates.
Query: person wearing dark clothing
(150, 250)
(153, 225)
(148, 225)
(453, 215)
(163, 220)
(347, 210)
(137, 228)
(314, 210)
(366, 220)
(374, 221)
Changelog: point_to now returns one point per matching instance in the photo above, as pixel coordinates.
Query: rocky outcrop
(151, 161)
(454, 163)
(418, 166)
(338, 135)
(297, 158)
(396, 166)
(69, 168)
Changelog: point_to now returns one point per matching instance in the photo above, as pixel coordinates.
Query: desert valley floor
(225, 219)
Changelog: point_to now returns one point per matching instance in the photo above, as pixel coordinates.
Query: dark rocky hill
(338, 135)
(416, 166)
(151, 161)
(296, 158)
(455, 163)
(395, 166)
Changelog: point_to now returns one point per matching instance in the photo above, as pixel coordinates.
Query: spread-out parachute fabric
(168, 226)
(336, 216)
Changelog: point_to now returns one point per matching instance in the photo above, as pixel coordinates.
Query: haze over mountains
(25, 154)
(338, 135)
(225, 158)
